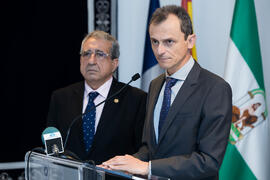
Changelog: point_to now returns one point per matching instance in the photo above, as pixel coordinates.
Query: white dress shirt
(103, 93)
(180, 75)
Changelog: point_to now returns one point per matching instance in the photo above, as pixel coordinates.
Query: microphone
(57, 147)
(52, 139)
(134, 78)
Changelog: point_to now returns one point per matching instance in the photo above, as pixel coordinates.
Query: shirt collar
(102, 90)
(182, 73)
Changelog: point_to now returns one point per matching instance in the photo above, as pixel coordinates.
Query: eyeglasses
(100, 55)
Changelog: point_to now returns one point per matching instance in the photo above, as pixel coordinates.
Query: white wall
(212, 22)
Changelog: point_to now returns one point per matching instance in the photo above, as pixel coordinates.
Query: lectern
(43, 167)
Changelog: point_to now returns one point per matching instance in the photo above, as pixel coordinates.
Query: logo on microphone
(53, 143)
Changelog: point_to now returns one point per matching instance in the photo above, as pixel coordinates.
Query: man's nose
(161, 49)
(92, 59)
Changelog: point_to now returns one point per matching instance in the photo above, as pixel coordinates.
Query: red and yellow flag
(187, 5)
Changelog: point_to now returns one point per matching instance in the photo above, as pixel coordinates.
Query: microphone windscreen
(135, 77)
(48, 130)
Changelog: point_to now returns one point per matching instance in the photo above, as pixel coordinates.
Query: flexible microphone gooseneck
(134, 78)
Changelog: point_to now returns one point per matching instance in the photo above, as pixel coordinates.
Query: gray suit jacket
(194, 136)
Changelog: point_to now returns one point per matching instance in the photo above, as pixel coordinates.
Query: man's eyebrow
(151, 38)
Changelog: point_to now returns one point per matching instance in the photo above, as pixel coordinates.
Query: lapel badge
(116, 100)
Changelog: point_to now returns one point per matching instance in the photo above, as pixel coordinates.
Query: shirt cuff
(149, 170)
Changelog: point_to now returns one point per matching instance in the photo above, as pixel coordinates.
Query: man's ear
(115, 63)
(191, 39)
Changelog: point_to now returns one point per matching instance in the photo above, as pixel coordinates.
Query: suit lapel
(77, 100)
(183, 94)
(155, 91)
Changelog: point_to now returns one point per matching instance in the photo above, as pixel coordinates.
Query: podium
(43, 167)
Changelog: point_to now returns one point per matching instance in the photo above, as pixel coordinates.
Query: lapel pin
(116, 100)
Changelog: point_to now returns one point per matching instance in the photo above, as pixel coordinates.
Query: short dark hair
(161, 14)
(115, 49)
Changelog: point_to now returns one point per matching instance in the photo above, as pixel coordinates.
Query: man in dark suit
(189, 109)
(116, 126)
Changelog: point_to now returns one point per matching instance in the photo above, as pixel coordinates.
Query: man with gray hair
(112, 128)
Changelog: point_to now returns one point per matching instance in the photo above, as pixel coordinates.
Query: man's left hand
(128, 164)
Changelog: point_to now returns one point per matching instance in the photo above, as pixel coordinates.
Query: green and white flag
(248, 152)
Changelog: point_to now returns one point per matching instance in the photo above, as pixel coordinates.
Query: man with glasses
(112, 128)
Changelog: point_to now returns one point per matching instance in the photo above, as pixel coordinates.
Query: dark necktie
(89, 121)
(170, 82)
